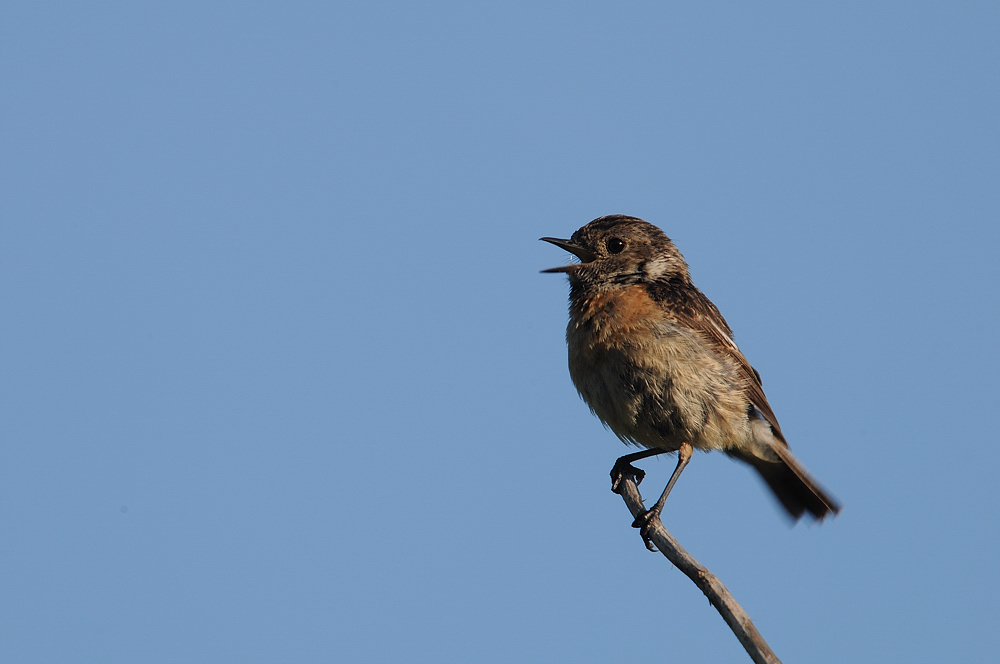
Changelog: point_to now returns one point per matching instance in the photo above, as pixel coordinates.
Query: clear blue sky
(281, 381)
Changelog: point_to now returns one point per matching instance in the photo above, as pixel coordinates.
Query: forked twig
(717, 594)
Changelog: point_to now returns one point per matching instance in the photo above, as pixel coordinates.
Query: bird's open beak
(585, 255)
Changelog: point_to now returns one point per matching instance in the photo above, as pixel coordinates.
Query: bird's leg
(644, 520)
(623, 467)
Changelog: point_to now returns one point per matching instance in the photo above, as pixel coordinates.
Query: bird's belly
(658, 388)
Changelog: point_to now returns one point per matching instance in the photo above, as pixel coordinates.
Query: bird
(656, 362)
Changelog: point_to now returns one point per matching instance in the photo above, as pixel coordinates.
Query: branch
(718, 595)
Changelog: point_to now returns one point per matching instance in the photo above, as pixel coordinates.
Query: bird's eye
(615, 245)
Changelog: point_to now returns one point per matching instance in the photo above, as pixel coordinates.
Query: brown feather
(695, 311)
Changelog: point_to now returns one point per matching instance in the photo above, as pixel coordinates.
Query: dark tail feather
(792, 485)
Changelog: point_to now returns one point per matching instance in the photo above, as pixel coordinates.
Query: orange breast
(619, 312)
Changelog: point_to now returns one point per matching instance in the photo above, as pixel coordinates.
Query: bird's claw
(644, 522)
(622, 470)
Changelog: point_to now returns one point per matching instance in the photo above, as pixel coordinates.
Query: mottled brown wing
(706, 318)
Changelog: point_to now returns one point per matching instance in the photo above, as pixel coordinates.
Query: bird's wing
(706, 318)
(695, 311)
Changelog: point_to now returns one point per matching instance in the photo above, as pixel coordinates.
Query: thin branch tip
(715, 591)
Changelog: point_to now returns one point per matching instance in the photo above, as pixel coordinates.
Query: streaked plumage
(656, 361)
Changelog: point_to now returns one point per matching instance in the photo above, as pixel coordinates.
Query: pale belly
(659, 388)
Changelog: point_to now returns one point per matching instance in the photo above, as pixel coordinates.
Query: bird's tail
(791, 484)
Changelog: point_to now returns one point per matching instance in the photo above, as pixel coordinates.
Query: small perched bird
(656, 362)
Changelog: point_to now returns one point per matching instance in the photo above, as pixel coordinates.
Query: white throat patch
(657, 267)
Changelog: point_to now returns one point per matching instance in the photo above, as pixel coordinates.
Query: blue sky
(281, 381)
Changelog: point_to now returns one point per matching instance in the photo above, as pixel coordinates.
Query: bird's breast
(612, 357)
(653, 381)
(610, 316)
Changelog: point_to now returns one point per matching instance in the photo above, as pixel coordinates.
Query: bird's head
(618, 249)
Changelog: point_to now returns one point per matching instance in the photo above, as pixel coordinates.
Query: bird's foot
(644, 522)
(623, 469)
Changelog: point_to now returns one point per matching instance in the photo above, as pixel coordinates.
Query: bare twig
(717, 594)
